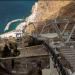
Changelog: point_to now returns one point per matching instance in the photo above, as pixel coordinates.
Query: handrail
(22, 57)
(56, 60)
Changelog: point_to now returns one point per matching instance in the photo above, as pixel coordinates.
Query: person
(14, 52)
(39, 68)
(6, 51)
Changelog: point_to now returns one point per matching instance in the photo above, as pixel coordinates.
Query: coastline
(19, 26)
(13, 10)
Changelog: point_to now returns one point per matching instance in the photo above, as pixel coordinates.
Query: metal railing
(57, 61)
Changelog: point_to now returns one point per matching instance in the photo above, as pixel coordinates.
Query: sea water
(11, 10)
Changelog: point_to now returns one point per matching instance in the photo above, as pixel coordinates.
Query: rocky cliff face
(52, 9)
(67, 11)
(47, 10)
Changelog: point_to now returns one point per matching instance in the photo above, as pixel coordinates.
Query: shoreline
(27, 20)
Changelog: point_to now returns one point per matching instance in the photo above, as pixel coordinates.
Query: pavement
(51, 70)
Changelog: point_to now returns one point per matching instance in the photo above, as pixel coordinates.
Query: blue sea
(10, 10)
